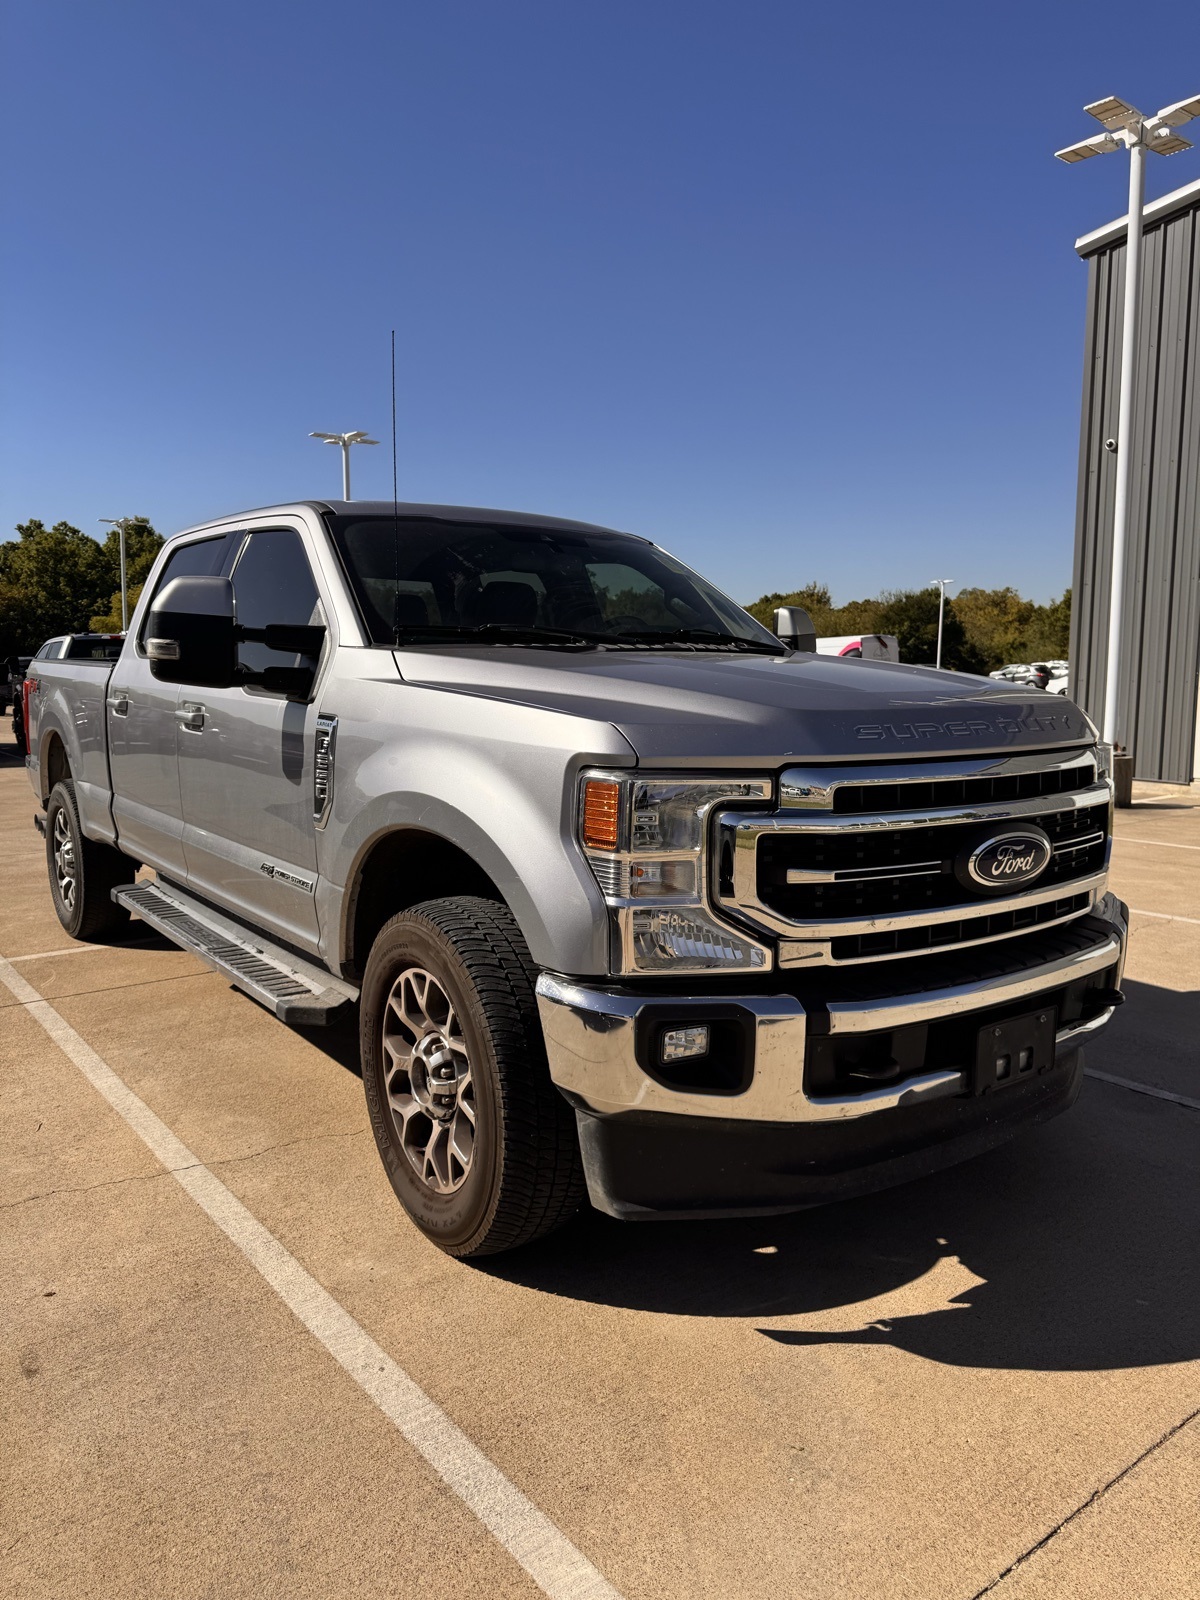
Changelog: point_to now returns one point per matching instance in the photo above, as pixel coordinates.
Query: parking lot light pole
(345, 440)
(119, 524)
(941, 583)
(1127, 129)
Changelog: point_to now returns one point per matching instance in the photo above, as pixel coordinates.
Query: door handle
(118, 704)
(191, 716)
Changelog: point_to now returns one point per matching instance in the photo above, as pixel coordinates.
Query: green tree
(912, 615)
(55, 578)
(997, 624)
(984, 628)
(142, 544)
(110, 621)
(16, 623)
(859, 616)
(814, 598)
(1002, 626)
(1049, 635)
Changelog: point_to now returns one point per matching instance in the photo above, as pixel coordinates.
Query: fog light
(681, 1044)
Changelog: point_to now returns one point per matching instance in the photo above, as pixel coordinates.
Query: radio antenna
(395, 490)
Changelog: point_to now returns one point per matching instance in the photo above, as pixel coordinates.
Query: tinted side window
(202, 559)
(94, 649)
(272, 582)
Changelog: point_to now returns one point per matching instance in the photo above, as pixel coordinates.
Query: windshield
(423, 580)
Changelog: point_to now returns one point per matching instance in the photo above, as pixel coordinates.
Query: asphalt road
(987, 1382)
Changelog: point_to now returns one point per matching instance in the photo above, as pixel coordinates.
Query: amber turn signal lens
(601, 813)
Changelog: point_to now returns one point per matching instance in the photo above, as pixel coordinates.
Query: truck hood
(734, 710)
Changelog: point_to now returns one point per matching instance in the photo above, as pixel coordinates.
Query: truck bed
(77, 691)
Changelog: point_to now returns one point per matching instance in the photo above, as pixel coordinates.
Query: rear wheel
(83, 874)
(480, 1147)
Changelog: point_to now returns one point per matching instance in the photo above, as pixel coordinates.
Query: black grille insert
(906, 941)
(942, 792)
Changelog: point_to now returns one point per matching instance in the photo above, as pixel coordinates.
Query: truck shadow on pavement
(1085, 1234)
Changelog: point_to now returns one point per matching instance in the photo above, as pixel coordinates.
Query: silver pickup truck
(637, 900)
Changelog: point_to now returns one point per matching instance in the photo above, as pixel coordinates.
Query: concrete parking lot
(987, 1382)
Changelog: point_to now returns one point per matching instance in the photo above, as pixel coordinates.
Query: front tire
(83, 874)
(479, 1145)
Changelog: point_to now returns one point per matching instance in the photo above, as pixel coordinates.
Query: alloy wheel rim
(427, 1080)
(64, 860)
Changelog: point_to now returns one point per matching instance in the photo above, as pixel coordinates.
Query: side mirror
(191, 636)
(795, 627)
(193, 639)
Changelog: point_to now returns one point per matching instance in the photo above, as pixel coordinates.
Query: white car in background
(870, 646)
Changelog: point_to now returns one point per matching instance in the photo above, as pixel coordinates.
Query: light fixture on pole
(119, 524)
(1127, 129)
(941, 583)
(345, 440)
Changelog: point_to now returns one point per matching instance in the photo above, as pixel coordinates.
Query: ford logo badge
(1009, 860)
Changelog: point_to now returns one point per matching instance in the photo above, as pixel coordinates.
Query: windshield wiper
(576, 638)
(704, 636)
(500, 633)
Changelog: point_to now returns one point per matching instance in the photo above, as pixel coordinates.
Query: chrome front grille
(836, 873)
(859, 863)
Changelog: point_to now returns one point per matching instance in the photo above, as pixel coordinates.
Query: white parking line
(1123, 838)
(1141, 1088)
(76, 949)
(547, 1555)
(1164, 916)
(71, 950)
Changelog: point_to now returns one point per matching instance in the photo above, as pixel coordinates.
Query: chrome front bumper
(591, 1033)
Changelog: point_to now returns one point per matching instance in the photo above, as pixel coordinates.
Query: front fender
(497, 782)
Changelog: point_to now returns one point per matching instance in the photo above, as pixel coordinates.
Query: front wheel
(480, 1147)
(83, 874)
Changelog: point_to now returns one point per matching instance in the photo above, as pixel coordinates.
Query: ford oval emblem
(1011, 859)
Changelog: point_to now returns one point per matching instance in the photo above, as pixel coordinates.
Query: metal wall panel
(1162, 591)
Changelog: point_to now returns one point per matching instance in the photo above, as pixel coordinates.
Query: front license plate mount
(1015, 1050)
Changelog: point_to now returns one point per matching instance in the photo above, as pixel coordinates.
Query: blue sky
(788, 288)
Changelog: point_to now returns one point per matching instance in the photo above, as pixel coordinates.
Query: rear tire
(83, 874)
(479, 1145)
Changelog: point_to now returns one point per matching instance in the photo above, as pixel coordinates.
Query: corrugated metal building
(1159, 708)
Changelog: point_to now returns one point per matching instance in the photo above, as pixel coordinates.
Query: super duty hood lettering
(736, 709)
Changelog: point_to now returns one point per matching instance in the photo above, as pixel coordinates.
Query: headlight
(1104, 759)
(646, 842)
